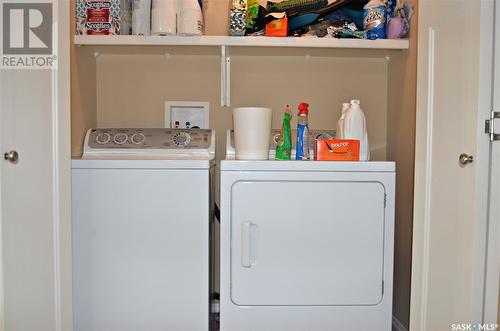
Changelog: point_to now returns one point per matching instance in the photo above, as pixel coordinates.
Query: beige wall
(401, 109)
(131, 90)
(83, 91)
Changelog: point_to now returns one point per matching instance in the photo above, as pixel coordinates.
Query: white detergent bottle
(354, 127)
(339, 134)
(190, 19)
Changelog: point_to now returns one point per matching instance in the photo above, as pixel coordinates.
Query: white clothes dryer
(306, 245)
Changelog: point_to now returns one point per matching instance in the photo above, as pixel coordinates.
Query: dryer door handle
(247, 238)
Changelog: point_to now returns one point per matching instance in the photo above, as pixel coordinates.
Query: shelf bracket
(225, 79)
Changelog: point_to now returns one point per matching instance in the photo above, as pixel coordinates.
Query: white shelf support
(223, 75)
(228, 80)
(225, 79)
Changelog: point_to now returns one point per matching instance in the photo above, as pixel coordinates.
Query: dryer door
(307, 242)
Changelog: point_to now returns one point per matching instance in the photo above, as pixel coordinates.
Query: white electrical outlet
(187, 114)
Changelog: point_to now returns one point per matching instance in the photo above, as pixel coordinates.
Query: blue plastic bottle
(374, 19)
(302, 150)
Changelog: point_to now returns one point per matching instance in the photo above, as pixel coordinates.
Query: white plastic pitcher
(252, 132)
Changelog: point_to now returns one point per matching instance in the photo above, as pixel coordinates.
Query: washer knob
(120, 138)
(138, 138)
(103, 138)
(181, 139)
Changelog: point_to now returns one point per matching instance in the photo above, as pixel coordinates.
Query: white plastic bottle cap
(355, 102)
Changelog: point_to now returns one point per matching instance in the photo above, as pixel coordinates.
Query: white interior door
(450, 218)
(324, 248)
(35, 204)
(492, 299)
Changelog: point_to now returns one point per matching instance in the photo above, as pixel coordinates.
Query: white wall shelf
(381, 44)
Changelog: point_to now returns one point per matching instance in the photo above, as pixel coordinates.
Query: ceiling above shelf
(289, 42)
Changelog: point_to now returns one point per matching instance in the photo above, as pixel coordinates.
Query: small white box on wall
(187, 114)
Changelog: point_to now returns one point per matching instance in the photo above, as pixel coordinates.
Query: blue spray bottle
(302, 150)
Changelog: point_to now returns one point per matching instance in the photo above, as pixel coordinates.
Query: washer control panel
(162, 143)
(149, 139)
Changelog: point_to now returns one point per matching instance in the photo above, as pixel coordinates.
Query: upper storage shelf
(332, 43)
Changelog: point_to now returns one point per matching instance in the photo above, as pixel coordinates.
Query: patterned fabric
(115, 8)
(80, 8)
(237, 26)
(296, 5)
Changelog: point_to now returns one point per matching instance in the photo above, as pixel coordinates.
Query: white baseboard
(397, 325)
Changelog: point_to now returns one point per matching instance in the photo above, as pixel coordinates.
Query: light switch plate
(190, 114)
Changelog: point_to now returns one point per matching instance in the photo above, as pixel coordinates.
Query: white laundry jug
(354, 127)
(340, 124)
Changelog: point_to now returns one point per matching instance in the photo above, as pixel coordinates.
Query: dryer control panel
(149, 142)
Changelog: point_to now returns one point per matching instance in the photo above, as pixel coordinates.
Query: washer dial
(138, 138)
(181, 139)
(103, 138)
(120, 138)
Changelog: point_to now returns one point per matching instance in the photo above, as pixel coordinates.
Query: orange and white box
(278, 27)
(336, 150)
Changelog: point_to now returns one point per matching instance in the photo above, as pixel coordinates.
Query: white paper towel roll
(141, 17)
(164, 17)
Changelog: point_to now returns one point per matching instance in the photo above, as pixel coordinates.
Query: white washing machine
(142, 205)
(306, 245)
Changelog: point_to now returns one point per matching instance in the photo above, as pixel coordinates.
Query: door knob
(464, 159)
(11, 156)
